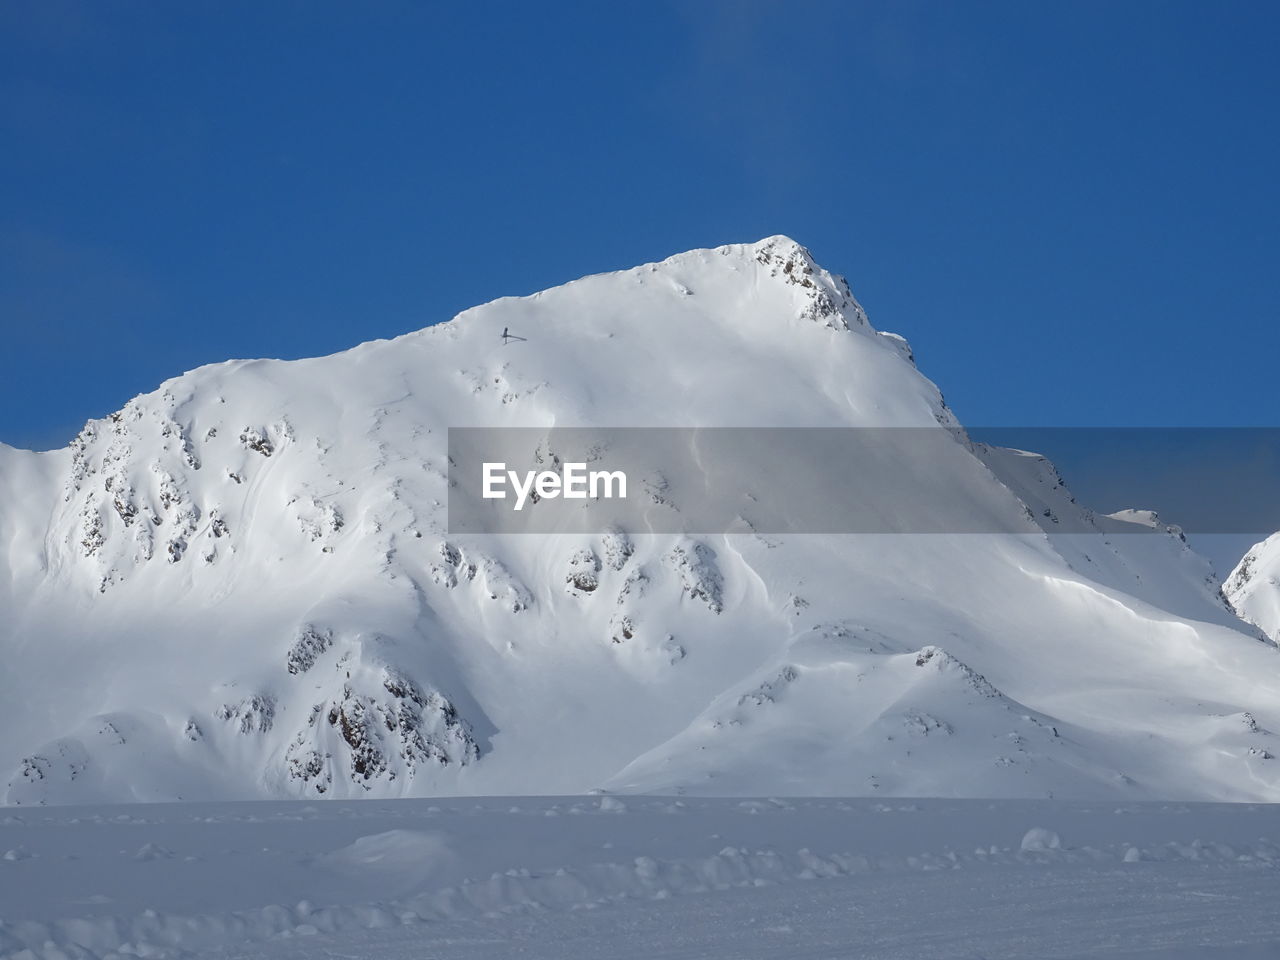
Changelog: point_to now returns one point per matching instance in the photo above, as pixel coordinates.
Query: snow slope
(585, 877)
(241, 585)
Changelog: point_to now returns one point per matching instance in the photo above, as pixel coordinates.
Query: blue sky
(1070, 209)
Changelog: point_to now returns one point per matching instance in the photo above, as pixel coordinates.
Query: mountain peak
(820, 296)
(781, 244)
(829, 299)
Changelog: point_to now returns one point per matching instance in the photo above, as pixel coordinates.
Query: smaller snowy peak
(1144, 518)
(1253, 587)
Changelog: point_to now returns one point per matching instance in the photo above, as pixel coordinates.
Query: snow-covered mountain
(242, 585)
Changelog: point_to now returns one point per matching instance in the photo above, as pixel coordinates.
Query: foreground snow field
(602, 875)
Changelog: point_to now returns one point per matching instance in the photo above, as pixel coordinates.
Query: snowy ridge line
(521, 889)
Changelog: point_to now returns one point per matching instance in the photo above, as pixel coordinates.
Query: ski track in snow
(640, 877)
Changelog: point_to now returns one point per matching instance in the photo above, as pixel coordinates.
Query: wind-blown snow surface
(573, 878)
(241, 586)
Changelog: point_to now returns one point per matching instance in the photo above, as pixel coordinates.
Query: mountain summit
(243, 585)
